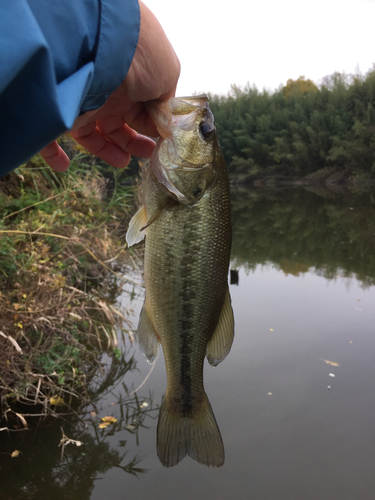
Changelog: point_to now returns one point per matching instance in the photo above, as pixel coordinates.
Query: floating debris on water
(332, 363)
(331, 375)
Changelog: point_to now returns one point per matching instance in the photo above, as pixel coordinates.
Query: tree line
(300, 128)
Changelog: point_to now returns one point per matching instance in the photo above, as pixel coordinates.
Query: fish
(186, 222)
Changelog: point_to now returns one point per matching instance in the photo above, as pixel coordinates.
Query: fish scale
(187, 307)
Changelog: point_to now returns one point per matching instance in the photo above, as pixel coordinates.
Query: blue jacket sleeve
(58, 60)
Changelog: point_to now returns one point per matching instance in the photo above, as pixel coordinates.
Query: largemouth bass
(187, 309)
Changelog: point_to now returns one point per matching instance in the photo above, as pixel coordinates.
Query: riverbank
(62, 265)
(329, 178)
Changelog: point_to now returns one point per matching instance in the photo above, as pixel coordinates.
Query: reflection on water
(298, 230)
(46, 469)
(303, 294)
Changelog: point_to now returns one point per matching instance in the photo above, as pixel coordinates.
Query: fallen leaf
(110, 420)
(103, 425)
(57, 401)
(15, 453)
(332, 363)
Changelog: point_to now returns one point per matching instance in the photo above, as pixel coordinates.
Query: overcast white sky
(266, 42)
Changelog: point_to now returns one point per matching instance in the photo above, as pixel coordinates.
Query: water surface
(294, 426)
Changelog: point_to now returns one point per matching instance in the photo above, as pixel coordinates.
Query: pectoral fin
(146, 337)
(136, 231)
(221, 341)
(139, 222)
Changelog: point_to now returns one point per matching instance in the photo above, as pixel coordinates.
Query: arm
(54, 80)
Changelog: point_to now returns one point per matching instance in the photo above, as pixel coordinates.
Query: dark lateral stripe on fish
(186, 297)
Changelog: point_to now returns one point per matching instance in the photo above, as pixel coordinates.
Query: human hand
(113, 132)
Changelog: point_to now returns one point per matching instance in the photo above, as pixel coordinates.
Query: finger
(141, 146)
(125, 137)
(95, 142)
(55, 157)
(138, 118)
(120, 111)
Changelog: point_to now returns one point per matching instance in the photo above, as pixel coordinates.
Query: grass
(62, 263)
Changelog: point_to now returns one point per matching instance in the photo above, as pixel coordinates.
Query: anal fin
(221, 341)
(146, 337)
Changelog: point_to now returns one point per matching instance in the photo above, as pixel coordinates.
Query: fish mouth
(178, 111)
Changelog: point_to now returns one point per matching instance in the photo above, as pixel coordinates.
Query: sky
(266, 42)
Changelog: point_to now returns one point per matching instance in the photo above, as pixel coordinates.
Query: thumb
(55, 157)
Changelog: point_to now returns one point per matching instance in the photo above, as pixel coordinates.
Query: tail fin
(198, 436)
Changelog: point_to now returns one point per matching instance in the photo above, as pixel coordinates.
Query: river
(295, 397)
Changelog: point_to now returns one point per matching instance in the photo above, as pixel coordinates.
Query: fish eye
(207, 130)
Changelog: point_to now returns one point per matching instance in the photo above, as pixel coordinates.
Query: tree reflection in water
(41, 472)
(298, 229)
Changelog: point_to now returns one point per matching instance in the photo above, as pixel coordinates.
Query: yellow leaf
(110, 420)
(332, 363)
(17, 306)
(20, 325)
(24, 295)
(57, 401)
(15, 453)
(103, 425)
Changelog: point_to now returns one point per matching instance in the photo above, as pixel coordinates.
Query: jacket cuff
(119, 27)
